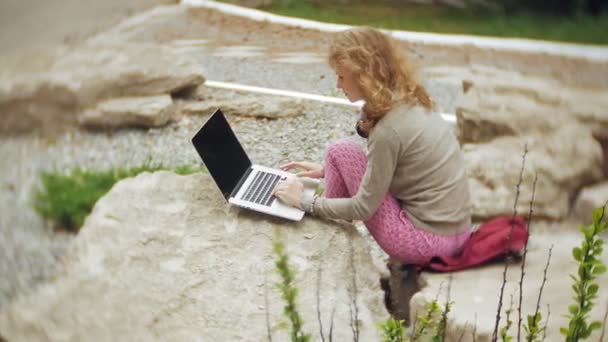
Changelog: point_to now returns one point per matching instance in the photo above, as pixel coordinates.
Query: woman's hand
(311, 170)
(289, 191)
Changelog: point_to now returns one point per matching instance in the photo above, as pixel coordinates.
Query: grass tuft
(441, 19)
(67, 199)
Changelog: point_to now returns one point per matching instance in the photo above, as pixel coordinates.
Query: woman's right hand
(311, 170)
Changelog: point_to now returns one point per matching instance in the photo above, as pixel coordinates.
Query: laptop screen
(221, 152)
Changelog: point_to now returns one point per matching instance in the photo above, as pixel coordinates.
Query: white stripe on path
(450, 118)
(595, 53)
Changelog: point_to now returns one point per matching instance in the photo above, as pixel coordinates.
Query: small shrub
(427, 321)
(67, 199)
(289, 293)
(590, 266)
(392, 331)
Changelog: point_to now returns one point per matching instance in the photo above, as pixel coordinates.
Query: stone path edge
(595, 53)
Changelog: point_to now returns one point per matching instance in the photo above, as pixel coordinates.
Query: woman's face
(347, 82)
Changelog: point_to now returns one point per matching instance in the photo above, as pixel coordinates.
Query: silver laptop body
(240, 182)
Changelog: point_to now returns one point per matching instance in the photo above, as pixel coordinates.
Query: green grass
(67, 199)
(429, 18)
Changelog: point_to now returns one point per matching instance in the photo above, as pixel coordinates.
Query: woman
(410, 190)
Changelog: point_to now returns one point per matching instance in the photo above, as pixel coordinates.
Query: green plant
(535, 326)
(289, 294)
(504, 331)
(590, 266)
(426, 321)
(442, 324)
(67, 198)
(392, 330)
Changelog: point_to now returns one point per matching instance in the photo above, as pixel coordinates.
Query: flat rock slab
(51, 92)
(163, 258)
(504, 102)
(564, 160)
(145, 111)
(247, 104)
(475, 292)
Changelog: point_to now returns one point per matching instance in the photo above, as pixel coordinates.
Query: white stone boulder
(40, 98)
(147, 111)
(475, 292)
(564, 160)
(513, 104)
(163, 258)
(484, 115)
(591, 197)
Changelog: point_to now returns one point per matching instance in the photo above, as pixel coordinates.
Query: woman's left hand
(289, 191)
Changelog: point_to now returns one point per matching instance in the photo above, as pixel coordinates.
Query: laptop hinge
(240, 183)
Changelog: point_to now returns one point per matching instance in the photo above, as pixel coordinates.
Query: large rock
(162, 257)
(475, 292)
(507, 103)
(564, 160)
(148, 111)
(484, 115)
(591, 197)
(36, 99)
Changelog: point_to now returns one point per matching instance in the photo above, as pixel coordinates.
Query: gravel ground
(314, 78)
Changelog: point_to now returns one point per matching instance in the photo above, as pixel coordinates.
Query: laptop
(241, 182)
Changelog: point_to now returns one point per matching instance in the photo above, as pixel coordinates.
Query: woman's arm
(311, 170)
(384, 150)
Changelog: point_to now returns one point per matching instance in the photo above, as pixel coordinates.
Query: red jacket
(489, 242)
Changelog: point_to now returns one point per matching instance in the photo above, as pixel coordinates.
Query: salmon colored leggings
(345, 164)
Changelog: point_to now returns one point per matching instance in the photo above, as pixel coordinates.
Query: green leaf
(595, 325)
(598, 214)
(530, 320)
(564, 331)
(601, 227)
(589, 232)
(593, 288)
(576, 253)
(599, 269)
(573, 309)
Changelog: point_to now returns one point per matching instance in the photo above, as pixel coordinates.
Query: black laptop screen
(221, 152)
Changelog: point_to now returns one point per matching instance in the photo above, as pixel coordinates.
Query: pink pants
(345, 164)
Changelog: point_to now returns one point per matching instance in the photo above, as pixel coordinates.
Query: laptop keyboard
(260, 189)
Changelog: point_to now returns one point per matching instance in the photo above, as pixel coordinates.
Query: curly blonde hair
(384, 76)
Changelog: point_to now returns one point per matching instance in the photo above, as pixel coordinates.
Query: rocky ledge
(162, 257)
